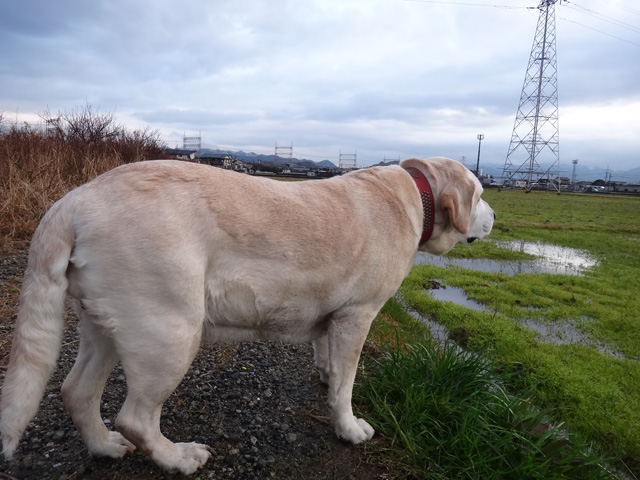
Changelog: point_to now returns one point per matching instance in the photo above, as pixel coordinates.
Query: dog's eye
(471, 239)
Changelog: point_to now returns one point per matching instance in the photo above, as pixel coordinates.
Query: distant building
(181, 154)
(627, 188)
(220, 160)
(485, 179)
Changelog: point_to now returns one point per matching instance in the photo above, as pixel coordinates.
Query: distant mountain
(326, 164)
(630, 176)
(251, 157)
(386, 164)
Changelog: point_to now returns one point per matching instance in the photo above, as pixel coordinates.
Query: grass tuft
(450, 415)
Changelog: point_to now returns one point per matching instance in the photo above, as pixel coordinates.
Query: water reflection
(550, 259)
(457, 296)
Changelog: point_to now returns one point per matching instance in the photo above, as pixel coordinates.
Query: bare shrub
(40, 165)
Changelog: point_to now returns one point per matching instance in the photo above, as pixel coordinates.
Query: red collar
(428, 205)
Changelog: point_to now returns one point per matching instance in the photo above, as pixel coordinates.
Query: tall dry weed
(38, 166)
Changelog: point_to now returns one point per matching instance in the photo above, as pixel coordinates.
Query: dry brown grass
(37, 167)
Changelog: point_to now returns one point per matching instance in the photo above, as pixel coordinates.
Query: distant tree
(268, 168)
(83, 125)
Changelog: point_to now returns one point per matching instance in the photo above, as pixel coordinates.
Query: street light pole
(480, 138)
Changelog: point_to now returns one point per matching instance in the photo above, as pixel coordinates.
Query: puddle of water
(557, 333)
(567, 333)
(457, 296)
(554, 256)
(439, 332)
(550, 259)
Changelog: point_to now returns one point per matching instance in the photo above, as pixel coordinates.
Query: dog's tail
(39, 328)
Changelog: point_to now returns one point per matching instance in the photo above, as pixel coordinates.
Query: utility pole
(480, 137)
(535, 136)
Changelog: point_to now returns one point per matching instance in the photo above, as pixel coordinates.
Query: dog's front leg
(347, 332)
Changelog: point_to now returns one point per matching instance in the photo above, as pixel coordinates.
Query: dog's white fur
(161, 255)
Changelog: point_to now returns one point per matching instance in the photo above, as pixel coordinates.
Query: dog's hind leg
(154, 365)
(83, 387)
(348, 330)
(321, 357)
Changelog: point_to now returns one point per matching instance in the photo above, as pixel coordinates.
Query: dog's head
(461, 216)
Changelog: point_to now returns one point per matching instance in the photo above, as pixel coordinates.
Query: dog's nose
(494, 215)
(471, 239)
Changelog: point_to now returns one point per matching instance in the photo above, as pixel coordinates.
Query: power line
(583, 9)
(469, 4)
(326, 157)
(605, 17)
(623, 7)
(600, 31)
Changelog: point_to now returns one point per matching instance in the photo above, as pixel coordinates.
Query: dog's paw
(192, 456)
(355, 431)
(115, 446)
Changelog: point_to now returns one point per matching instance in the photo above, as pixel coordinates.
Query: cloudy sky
(383, 78)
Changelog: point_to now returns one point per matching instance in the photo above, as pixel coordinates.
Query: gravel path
(260, 407)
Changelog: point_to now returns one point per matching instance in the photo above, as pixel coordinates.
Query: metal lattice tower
(285, 152)
(192, 143)
(535, 137)
(348, 161)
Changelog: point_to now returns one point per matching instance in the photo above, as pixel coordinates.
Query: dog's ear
(458, 204)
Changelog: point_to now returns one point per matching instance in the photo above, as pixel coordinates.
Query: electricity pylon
(535, 137)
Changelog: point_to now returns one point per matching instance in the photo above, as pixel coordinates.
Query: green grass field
(595, 393)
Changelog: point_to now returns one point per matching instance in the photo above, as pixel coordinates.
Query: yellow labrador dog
(160, 255)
